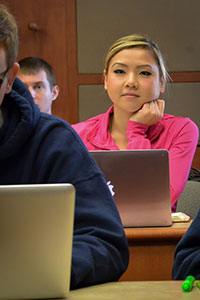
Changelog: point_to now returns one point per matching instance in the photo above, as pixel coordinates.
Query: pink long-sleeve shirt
(178, 135)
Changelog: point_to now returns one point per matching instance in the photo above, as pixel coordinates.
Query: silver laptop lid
(139, 181)
(36, 230)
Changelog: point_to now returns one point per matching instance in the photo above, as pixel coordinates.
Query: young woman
(134, 77)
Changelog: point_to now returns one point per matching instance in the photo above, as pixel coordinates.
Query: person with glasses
(40, 148)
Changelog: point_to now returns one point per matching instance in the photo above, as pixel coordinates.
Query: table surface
(174, 232)
(140, 290)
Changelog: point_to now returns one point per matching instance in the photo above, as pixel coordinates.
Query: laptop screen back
(139, 181)
(36, 230)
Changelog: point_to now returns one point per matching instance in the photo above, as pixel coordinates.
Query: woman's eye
(146, 73)
(119, 71)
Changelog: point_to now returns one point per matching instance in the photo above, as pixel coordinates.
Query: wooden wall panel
(70, 33)
(53, 39)
(173, 24)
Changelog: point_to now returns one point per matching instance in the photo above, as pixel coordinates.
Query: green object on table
(188, 283)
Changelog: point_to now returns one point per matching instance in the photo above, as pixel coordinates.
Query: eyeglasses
(3, 77)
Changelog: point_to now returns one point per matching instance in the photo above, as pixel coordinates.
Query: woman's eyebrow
(144, 66)
(138, 67)
(119, 64)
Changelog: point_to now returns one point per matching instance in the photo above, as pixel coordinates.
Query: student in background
(39, 77)
(134, 77)
(41, 148)
(187, 253)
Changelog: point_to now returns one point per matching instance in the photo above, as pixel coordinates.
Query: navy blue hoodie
(41, 148)
(187, 253)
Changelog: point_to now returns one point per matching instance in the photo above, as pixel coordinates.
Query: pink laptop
(139, 182)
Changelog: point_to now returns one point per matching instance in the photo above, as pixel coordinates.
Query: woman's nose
(131, 80)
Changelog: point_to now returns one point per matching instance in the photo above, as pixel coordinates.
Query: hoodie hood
(22, 116)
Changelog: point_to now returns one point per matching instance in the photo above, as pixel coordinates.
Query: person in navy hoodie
(40, 148)
(187, 253)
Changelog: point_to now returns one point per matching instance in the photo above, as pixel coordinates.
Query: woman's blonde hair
(136, 40)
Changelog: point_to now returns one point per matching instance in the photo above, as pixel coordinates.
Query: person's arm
(137, 136)
(181, 153)
(100, 249)
(187, 253)
(148, 115)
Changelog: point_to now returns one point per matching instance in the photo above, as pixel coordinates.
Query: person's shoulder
(87, 124)
(173, 118)
(57, 136)
(59, 130)
(52, 119)
(52, 123)
(20, 88)
(179, 121)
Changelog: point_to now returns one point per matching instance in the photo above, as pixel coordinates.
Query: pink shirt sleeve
(137, 137)
(181, 153)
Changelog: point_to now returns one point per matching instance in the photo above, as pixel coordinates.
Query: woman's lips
(130, 95)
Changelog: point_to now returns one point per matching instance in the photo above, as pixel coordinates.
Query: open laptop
(36, 231)
(139, 182)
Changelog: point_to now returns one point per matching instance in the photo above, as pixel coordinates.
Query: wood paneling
(176, 77)
(56, 41)
(52, 37)
(152, 252)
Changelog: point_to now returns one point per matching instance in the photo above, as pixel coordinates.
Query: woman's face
(133, 79)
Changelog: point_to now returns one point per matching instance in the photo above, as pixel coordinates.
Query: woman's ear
(162, 85)
(105, 79)
(12, 73)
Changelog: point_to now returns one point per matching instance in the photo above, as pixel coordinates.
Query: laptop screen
(139, 183)
(36, 230)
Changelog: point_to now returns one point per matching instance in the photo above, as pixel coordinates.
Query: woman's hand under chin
(150, 113)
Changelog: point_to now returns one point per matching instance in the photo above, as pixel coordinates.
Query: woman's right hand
(150, 113)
